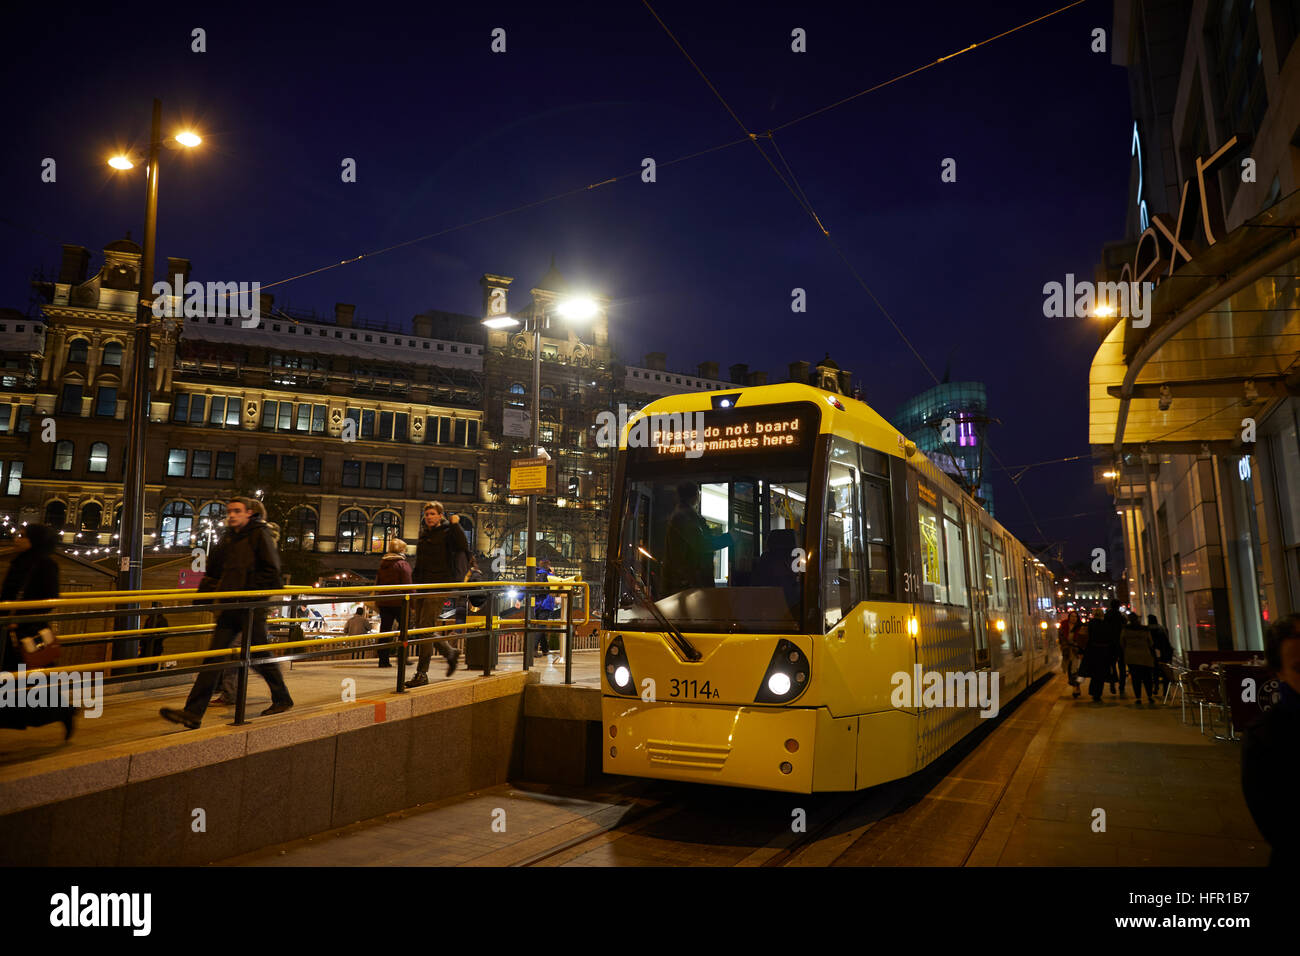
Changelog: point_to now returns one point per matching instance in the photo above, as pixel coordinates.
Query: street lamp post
(131, 565)
(577, 310)
(131, 568)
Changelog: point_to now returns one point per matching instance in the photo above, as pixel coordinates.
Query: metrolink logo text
(181, 298)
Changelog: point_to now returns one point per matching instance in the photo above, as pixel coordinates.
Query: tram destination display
(724, 432)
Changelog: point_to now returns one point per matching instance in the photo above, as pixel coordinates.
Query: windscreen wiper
(643, 596)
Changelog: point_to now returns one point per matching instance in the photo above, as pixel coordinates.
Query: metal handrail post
(489, 634)
(245, 656)
(568, 637)
(528, 637)
(403, 625)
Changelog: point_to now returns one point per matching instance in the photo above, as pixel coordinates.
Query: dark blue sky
(699, 264)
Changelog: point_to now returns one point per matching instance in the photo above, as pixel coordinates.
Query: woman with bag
(33, 575)
(393, 569)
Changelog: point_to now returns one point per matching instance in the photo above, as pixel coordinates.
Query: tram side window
(956, 561)
(875, 497)
(934, 587)
(990, 570)
(842, 556)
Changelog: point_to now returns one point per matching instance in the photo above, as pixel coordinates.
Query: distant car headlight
(787, 675)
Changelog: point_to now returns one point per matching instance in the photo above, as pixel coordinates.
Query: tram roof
(853, 419)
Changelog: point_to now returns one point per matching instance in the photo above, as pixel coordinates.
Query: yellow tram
(796, 599)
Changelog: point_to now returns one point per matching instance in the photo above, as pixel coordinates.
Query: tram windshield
(717, 542)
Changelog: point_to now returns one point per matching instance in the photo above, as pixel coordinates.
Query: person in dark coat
(1098, 657)
(1114, 624)
(33, 575)
(688, 550)
(245, 559)
(1139, 656)
(441, 557)
(1270, 757)
(393, 569)
(1164, 652)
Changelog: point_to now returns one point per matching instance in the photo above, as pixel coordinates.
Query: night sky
(699, 264)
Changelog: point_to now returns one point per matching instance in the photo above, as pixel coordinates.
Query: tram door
(979, 600)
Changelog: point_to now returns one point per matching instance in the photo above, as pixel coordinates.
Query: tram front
(709, 670)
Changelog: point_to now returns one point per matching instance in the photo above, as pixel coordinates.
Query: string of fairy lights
(176, 539)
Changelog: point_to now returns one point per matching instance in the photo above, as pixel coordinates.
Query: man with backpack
(441, 557)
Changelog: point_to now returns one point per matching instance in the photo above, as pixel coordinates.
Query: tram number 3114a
(691, 688)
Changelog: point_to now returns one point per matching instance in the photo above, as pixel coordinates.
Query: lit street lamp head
(188, 138)
(121, 162)
(578, 309)
(500, 322)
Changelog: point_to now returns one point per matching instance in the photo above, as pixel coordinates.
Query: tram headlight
(787, 675)
(618, 671)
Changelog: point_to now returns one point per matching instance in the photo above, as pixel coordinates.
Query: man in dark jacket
(441, 557)
(1270, 758)
(1114, 625)
(245, 560)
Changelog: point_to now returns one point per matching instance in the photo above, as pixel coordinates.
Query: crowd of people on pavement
(1115, 649)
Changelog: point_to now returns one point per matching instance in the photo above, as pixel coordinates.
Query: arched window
(77, 351)
(177, 524)
(212, 518)
(516, 389)
(113, 354)
(56, 515)
(63, 456)
(548, 392)
(352, 531)
(98, 457)
(387, 526)
(92, 515)
(300, 531)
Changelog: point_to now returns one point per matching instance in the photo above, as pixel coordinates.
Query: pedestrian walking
(1066, 640)
(33, 575)
(1164, 653)
(1098, 657)
(1139, 656)
(151, 645)
(1270, 769)
(546, 608)
(245, 559)
(228, 686)
(441, 557)
(1114, 624)
(393, 569)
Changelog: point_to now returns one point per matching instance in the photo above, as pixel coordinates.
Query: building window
(516, 389)
(368, 423)
(113, 354)
(177, 524)
(268, 415)
(285, 420)
(14, 480)
(352, 474)
(266, 466)
(387, 526)
(352, 532)
(198, 405)
(70, 403)
(24, 425)
(289, 469)
(461, 427)
(318, 419)
(92, 516)
(449, 481)
(311, 471)
(201, 465)
(63, 456)
(211, 518)
(225, 465)
(181, 408)
(56, 515)
(77, 350)
(396, 478)
(444, 431)
(98, 457)
(106, 402)
(467, 476)
(176, 459)
(430, 480)
(374, 474)
(304, 418)
(386, 425)
(6, 413)
(300, 531)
